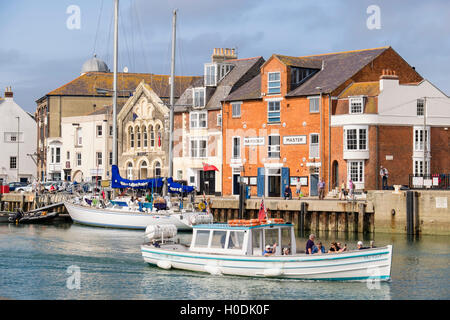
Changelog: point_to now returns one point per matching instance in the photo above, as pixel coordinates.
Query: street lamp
(18, 145)
(321, 134)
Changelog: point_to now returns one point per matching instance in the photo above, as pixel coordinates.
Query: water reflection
(35, 259)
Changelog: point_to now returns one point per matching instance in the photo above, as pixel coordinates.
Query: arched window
(144, 130)
(157, 170)
(138, 137)
(158, 136)
(131, 134)
(152, 137)
(130, 171)
(143, 170)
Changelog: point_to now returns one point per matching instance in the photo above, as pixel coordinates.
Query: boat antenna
(172, 94)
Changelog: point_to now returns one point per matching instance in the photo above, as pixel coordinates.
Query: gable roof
(337, 68)
(86, 84)
(243, 70)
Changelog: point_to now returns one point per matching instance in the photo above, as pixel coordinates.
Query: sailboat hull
(110, 218)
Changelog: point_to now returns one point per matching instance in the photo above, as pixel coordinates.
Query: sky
(44, 44)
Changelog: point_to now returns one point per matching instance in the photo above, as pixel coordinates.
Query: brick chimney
(388, 78)
(8, 93)
(222, 54)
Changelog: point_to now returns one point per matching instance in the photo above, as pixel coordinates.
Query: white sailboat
(115, 215)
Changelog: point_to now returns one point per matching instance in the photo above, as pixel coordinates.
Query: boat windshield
(236, 240)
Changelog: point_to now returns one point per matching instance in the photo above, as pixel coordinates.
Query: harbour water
(70, 261)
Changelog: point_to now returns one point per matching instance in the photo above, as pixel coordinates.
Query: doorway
(274, 182)
(314, 179)
(335, 175)
(208, 182)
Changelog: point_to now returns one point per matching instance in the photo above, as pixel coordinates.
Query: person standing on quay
(321, 186)
(384, 176)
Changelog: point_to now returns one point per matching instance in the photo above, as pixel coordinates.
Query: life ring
(201, 206)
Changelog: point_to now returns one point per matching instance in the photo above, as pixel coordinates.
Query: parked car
(48, 185)
(14, 185)
(27, 188)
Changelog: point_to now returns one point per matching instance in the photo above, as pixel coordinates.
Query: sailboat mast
(172, 93)
(116, 48)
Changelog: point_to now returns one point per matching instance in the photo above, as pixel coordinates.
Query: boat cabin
(239, 239)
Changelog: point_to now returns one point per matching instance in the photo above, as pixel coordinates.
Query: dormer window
(356, 105)
(214, 72)
(198, 95)
(274, 83)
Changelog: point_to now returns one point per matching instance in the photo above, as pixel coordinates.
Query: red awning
(208, 167)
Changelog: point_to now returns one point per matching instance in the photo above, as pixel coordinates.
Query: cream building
(85, 148)
(143, 128)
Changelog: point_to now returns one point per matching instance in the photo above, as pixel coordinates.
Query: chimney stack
(388, 79)
(8, 93)
(222, 54)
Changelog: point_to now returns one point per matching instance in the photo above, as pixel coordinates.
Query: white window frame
(197, 103)
(79, 136)
(418, 138)
(11, 162)
(99, 158)
(274, 81)
(420, 106)
(208, 79)
(273, 114)
(273, 149)
(314, 146)
(194, 152)
(194, 119)
(358, 139)
(353, 101)
(318, 104)
(360, 171)
(418, 166)
(78, 159)
(236, 109)
(238, 155)
(99, 130)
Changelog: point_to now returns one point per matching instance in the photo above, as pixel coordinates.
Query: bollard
(409, 212)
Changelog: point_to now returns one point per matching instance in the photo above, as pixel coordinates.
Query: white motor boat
(118, 216)
(233, 249)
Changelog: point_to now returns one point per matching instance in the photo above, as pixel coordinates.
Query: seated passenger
(333, 248)
(360, 246)
(270, 251)
(286, 251)
(155, 244)
(319, 249)
(344, 248)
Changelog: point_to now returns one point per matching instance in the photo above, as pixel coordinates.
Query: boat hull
(360, 265)
(124, 220)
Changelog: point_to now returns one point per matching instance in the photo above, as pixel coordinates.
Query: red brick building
(276, 127)
(402, 127)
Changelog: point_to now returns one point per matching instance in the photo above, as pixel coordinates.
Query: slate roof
(337, 68)
(242, 72)
(86, 84)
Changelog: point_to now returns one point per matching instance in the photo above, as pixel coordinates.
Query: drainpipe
(329, 143)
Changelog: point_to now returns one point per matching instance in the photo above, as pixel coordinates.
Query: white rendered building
(17, 142)
(84, 151)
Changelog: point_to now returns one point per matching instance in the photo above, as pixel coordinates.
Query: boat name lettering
(377, 256)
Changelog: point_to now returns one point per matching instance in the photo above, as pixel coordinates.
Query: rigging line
(123, 33)
(98, 27)
(141, 41)
(132, 22)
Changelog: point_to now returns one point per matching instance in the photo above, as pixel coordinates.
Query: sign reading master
(294, 140)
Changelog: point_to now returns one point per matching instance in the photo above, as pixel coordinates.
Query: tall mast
(172, 93)
(116, 47)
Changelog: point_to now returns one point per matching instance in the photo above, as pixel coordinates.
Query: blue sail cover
(174, 187)
(117, 182)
